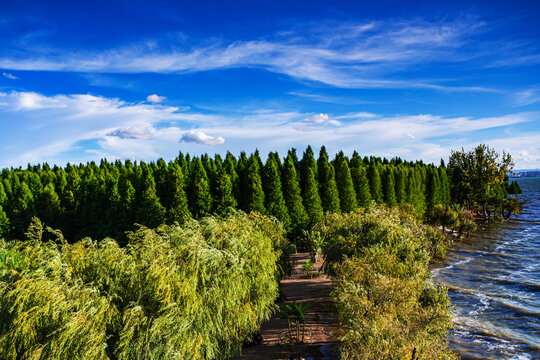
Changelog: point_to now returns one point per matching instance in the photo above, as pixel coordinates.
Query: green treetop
(291, 194)
(312, 201)
(347, 195)
(274, 201)
(361, 186)
(375, 185)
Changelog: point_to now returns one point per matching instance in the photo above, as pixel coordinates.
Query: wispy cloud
(527, 97)
(9, 76)
(365, 55)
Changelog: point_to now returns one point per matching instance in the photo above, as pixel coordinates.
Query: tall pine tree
(312, 201)
(347, 195)
(291, 194)
(200, 199)
(327, 184)
(361, 186)
(274, 201)
(375, 185)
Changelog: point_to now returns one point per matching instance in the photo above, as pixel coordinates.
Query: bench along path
(320, 328)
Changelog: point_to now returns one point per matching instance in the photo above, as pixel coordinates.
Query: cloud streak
(365, 55)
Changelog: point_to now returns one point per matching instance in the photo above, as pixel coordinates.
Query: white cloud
(200, 137)
(9, 76)
(78, 128)
(131, 133)
(527, 97)
(154, 98)
(317, 118)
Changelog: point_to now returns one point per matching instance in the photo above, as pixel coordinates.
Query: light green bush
(386, 305)
(191, 292)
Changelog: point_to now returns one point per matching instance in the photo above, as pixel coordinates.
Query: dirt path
(320, 320)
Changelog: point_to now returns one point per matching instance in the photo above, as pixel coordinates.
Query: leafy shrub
(387, 308)
(385, 316)
(191, 292)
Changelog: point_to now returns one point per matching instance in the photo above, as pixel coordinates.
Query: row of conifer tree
(109, 198)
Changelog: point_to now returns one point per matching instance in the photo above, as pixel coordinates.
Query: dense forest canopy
(108, 199)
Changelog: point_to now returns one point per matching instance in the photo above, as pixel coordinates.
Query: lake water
(493, 281)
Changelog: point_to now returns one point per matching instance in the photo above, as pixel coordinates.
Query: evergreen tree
(223, 193)
(375, 185)
(308, 162)
(291, 194)
(432, 191)
(275, 204)
(347, 195)
(200, 199)
(399, 178)
(445, 186)
(327, 184)
(254, 191)
(312, 201)
(361, 186)
(48, 205)
(389, 190)
(150, 212)
(178, 209)
(23, 210)
(4, 223)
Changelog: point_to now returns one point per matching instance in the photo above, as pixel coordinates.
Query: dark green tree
(291, 194)
(200, 199)
(389, 189)
(347, 195)
(375, 185)
(223, 195)
(150, 212)
(254, 191)
(327, 184)
(312, 201)
(361, 186)
(274, 201)
(178, 209)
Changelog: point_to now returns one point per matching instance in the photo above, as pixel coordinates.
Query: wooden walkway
(320, 321)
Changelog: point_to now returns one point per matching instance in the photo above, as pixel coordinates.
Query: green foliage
(347, 195)
(328, 188)
(375, 184)
(254, 192)
(295, 315)
(224, 201)
(312, 201)
(389, 190)
(200, 199)
(384, 315)
(275, 204)
(361, 186)
(192, 292)
(291, 194)
(386, 305)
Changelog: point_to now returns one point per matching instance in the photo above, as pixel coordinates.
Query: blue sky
(142, 80)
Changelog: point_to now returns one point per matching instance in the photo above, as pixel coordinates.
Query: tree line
(108, 199)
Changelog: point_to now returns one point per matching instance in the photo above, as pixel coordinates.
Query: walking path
(320, 320)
